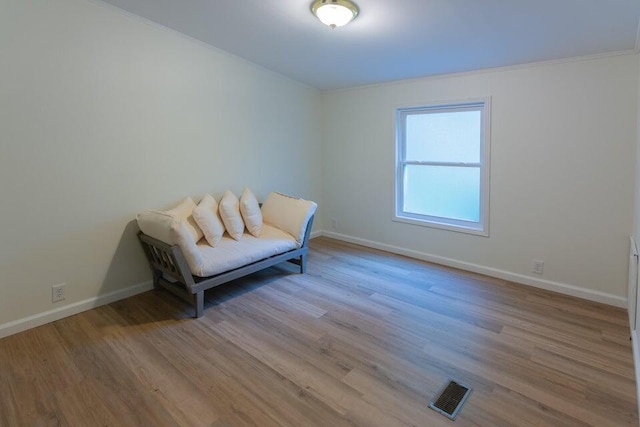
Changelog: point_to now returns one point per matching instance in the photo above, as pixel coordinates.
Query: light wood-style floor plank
(365, 338)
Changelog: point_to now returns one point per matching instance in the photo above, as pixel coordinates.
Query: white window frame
(482, 226)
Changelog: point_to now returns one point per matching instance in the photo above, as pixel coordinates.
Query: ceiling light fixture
(335, 13)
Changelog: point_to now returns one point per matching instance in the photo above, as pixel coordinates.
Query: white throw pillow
(207, 218)
(157, 224)
(181, 235)
(250, 210)
(229, 209)
(288, 213)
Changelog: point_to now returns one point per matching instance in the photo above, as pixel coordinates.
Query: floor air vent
(450, 399)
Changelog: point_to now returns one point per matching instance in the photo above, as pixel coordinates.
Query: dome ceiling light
(335, 13)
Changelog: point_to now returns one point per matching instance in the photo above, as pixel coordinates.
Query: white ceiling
(399, 39)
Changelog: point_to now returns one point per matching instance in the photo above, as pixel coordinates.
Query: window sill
(442, 226)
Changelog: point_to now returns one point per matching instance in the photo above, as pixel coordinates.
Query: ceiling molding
(491, 70)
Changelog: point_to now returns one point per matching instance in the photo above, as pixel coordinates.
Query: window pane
(443, 137)
(442, 191)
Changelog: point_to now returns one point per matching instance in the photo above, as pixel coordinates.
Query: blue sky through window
(443, 190)
(444, 137)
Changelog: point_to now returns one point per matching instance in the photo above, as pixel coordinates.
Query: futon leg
(303, 264)
(199, 303)
(157, 275)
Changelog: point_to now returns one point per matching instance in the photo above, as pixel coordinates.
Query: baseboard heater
(632, 296)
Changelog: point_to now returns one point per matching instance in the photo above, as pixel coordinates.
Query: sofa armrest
(167, 259)
(307, 232)
(289, 214)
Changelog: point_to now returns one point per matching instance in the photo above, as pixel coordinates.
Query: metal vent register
(450, 399)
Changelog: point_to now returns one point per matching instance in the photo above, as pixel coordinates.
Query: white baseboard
(562, 288)
(39, 319)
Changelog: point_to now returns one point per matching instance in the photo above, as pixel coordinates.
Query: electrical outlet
(538, 266)
(57, 292)
(334, 223)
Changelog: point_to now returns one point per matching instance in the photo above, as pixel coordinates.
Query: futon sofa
(192, 248)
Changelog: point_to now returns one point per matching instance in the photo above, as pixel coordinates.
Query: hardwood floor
(365, 338)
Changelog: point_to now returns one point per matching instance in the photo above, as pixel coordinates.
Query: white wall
(636, 205)
(633, 305)
(103, 115)
(562, 171)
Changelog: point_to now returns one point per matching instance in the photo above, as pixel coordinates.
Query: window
(442, 167)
